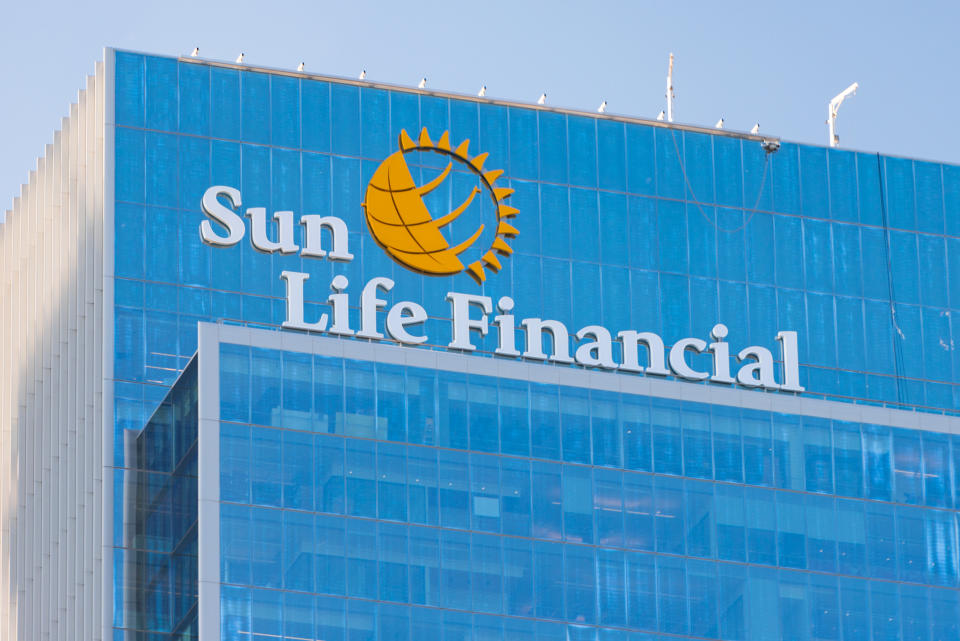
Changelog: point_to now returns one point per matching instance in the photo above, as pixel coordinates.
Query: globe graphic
(402, 224)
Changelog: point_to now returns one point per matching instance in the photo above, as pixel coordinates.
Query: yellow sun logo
(403, 226)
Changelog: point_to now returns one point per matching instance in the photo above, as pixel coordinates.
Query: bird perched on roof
(483, 91)
(756, 129)
(300, 66)
(363, 75)
(195, 52)
(661, 115)
(719, 124)
(423, 83)
(240, 58)
(602, 108)
(542, 99)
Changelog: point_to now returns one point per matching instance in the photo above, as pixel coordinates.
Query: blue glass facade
(362, 501)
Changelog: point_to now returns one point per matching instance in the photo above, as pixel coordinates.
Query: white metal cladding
(51, 401)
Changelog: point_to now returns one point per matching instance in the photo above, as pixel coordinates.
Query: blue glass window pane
(360, 472)
(760, 245)
(785, 176)
(727, 445)
(554, 221)
(518, 577)
(515, 491)
(732, 586)
(553, 147)
(361, 540)
(611, 148)
(452, 425)
(514, 418)
(547, 500)
(545, 421)
(665, 417)
(298, 467)
(672, 236)
(585, 224)
(848, 458)
(635, 425)
(392, 570)
(583, 151)
(731, 531)
(788, 452)
(907, 467)
(843, 185)
(818, 459)
(699, 519)
(936, 466)
(548, 573)
(454, 489)
(129, 96)
(483, 416)
(638, 515)
(611, 587)
(697, 450)
(757, 447)
(523, 143)
(577, 505)
(669, 507)
(298, 538)
(235, 543)
(605, 429)
(315, 107)
(424, 566)
(813, 181)
(761, 526)
(672, 595)
(704, 595)
(881, 542)
(255, 107)
(345, 112)
(791, 530)
(580, 578)
(642, 221)
(899, 192)
(329, 561)
(266, 569)
(641, 591)
(266, 467)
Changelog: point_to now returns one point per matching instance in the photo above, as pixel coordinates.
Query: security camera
(770, 146)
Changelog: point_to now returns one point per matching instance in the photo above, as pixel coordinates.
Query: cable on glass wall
(696, 201)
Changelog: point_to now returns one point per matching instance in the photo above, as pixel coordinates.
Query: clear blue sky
(778, 63)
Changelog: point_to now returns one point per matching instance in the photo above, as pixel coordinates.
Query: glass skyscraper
(290, 359)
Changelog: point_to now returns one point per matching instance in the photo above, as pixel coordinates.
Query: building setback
(289, 356)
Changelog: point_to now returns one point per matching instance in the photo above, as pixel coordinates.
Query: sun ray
(502, 247)
(406, 142)
(492, 175)
(424, 140)
(507, 229)
(444, 142)
(506, 211)
(475, 269)
(478, 161)
(463, 149)
(502, 192)
(490, 258)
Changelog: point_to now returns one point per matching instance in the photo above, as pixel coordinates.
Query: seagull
(240, 58)
(602, 108)
(363, 75)
(756, 129)
(719, 124)
(195, 52)
(542, 99)
(483, 91)
(423, 83)
(660, 115)
(300, 67)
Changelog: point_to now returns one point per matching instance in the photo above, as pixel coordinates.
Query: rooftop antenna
(670, 95)
(834, 107)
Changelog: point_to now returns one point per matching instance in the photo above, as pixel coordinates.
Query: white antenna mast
(832, 110)
(670, 95)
